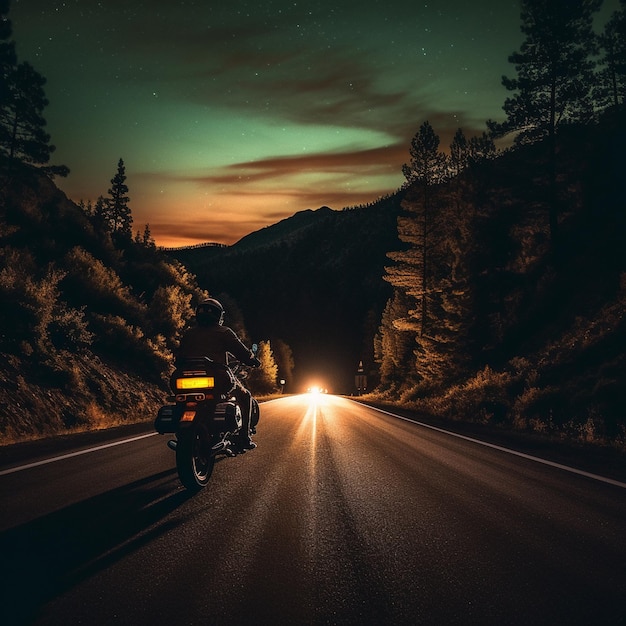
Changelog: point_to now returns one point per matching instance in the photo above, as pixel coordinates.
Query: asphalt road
(342, 515)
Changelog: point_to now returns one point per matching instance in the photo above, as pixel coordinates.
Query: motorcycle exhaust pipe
(223, 447)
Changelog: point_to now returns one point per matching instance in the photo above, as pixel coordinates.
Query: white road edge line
(53, 459)
(537, 459)
(12, 470)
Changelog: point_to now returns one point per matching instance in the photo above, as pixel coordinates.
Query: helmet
(209, 312)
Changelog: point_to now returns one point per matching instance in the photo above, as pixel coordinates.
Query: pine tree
(554, 78)
(22, 100)
(611, 89)
(468, 155)
(101, 216)
(432, 277)
(481, 148)
(394, 346)
(458, 288)
(459, 161)
(420, 227)
(428, 165)
(146, 238)
(422, 267)
(8, 57)
(459, 153)
(119, 214)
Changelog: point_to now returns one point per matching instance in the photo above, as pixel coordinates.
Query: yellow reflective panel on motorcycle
(188, 416)
(199, 382)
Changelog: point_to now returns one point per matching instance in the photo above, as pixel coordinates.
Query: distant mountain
(313, 280)
(290, 229)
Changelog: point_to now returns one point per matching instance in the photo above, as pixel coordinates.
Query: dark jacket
(214, 342)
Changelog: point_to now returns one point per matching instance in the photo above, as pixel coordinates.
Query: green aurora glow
(232, 116)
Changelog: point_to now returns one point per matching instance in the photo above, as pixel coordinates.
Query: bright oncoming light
(317, 388)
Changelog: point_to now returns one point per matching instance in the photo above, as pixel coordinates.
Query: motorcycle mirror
(255, 347)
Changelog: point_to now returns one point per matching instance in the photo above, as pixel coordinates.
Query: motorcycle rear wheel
(193, 460)
(254, 415)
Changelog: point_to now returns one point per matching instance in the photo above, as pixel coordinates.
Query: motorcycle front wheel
(194, 461)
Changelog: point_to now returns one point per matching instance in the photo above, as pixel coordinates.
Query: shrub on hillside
(168, 313)
(263, 380)
(483, 398)
(33, 311)
(91, 283)
(127, 345)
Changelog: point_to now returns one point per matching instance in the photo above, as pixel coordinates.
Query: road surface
(342, 515)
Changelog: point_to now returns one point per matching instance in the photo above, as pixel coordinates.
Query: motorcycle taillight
(195, 382)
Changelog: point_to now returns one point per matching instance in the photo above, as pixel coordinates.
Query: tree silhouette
(22, 100)
(459, 153)
(611, 89)
(119, 214)
(8, 58)
(427, 165)
(394, 347)
(100, 215)
(554, 78)
(420, 270)
(435, 291)
(420, 228)
(145, 239)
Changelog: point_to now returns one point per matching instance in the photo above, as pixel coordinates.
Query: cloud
(192, 231)
(357, 164)
(375, 161)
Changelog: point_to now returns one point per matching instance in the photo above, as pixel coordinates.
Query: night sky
(232, 115)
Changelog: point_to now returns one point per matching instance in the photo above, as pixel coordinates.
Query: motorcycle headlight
(197, 382)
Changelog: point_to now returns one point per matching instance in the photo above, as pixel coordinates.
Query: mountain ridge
(288, 227)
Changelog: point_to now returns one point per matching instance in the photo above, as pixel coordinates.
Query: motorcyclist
(212, 339)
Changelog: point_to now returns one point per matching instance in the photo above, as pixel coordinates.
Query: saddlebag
(227, 417)
(167, 419)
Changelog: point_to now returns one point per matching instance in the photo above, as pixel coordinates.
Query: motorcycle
(204, 415)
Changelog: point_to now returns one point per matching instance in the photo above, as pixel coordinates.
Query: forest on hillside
(89, 317)
(496, 317)
(491, 287)
(508, 300)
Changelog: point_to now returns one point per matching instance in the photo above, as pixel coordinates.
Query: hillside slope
(86, 327)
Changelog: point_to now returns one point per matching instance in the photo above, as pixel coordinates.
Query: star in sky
(231, 116)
